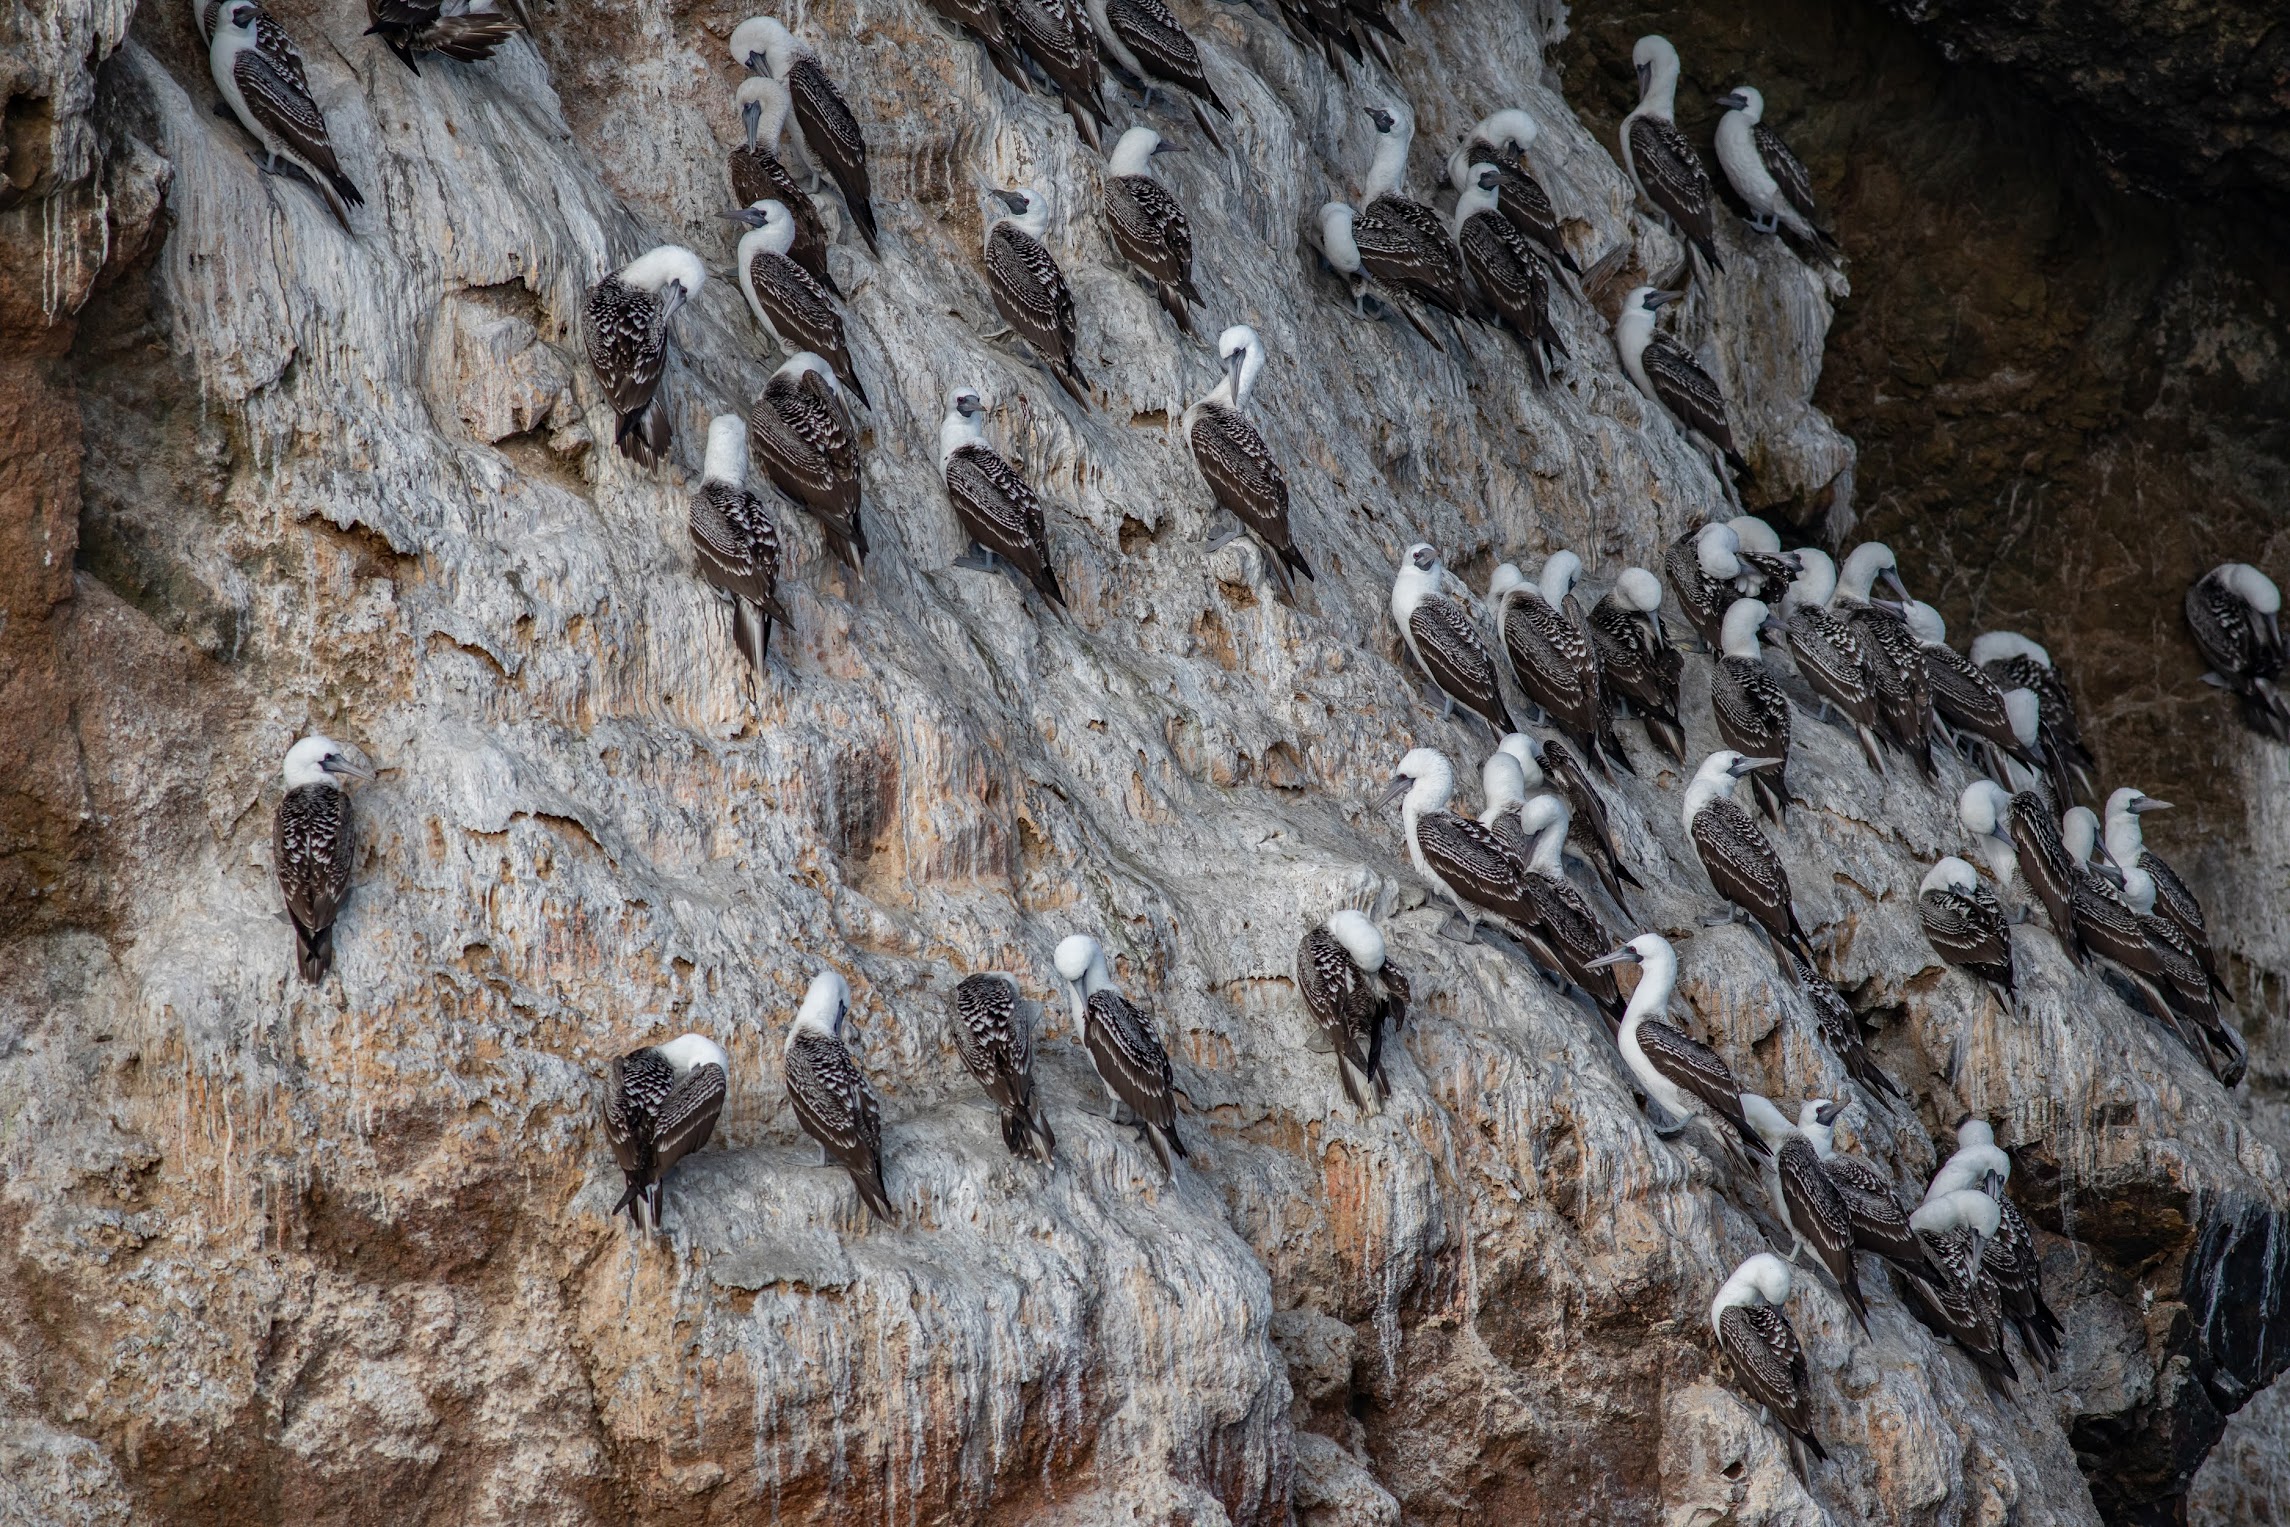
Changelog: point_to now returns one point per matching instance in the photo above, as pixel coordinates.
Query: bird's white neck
(1661, 97)
(1390, 165)
(2126, 841)
(1739, 637)
(727, 451)
(1033, 222)
(1707, 787)
(1657, 975)
(1474, 200)
(957, 430)
(1336, 241)
(1132, 153)
(1410, 588)
(776, 237)
(1432, 790)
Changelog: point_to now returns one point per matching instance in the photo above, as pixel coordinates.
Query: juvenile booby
(1657, 156)
(833, 1100)
(1763, 171)
(1685, 1076)
(1512, 280)
(985, 22)
(660, 1105)
(1502, 141)
(803, 432)
(1569, 927)
(992, 501)
(2040, 852)
(2010, 1257)
(1145, 38)
(1984, 809)
(759, 175)
(1767, 570)
(2185, 985)
(1148, 225)
(1702, 566)
(2234, 611)
(2106, 923)
(1123, 1047)
(455, 28)
(1467, 862)
(1963, 692)
(736, 541)
(1737, 856)
(1840, 1028)
(1963, 923)
(1233, 458)
(1555, 764)
(1337, 226)
(1805, 1199)
(1402, 242)
(1056, 35)
(1637, 661)
(1747, 702)
(1879, 1219)
(1891, 657)
(1667, 373)
(831, 137)
(1761, 1346)
(1830, 656)
(994, 1034)
(267, 90)
(2127, 845)
(1352, 989)
(793, 308)
(627, 320)
(1551, 655)
(2014, 662)
(1954, 1294)
(314, 843)
(1029, 290)
(1444, 641)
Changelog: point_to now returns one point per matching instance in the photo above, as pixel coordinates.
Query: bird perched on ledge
(314, 843)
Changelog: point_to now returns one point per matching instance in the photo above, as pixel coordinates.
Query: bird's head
(321, 761)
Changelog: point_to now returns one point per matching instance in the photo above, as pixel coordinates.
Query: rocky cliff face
(282, 1253)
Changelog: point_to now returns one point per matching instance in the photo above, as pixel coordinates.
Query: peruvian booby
(314, 844)
(1145, 38)
(1444, 640)
(1702, 566)
(1829, 653)
(1552, 656)
(1234, 460)
(1954, 1294)
(1685, 1076)
(833, 1100)
(1763, 171)
(2025, 824)
(831, 138)
(1767, 570)
(759, 175)
(1963, 923)
(1503, 797)
(1872, 1205)
(1637, 661)
(2107, 924)
(1512, 280)
(1760, 1345)
(1402, 242)
(1737, 856)
(2234, 611)
(1338, 224)
(1963, 693)
(1029, 290)
(794, 309)
(660, 1105)
(627, 322)
(2010, 1256)
(736, 540)
(1840, 1028)
(1984, 810)
(810, 451)
(263, 83)
(1123, 1047)
(986, 23)
(455, 28)
(1667, 373)
(1890, 654)
(2126, 844)
(1148, 225)
(994, 504)
(1805, 1199)
(1056, 35)
(1555, 763)
(1568, 926)
(994, 1028)
(2014, 662)
(1502, 141)
(1352, 990)
(2186, 986)
(1747, 702)
(1467, 862)
(1657, 156)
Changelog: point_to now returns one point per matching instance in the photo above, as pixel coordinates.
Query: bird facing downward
(314, 844)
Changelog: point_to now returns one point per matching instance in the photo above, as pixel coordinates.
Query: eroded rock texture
(339, 1254)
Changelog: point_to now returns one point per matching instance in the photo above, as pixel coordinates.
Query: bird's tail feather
(751, 631)
(313, 952)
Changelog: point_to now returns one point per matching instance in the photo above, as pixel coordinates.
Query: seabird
(627, 317)
(314, 842)
(1761, 1346)
(1658, 157)
(1840, 1028)
(1747, 702)
(758, 175)
(2014, 662)
(803, 432)
(1148, 225)
(1502, 795)
(2107, 924)
(793, 308)
(2185, 985)
(2234, 611)
(1502, 141)
(1963, 923)
(1763, 171)
(1984, 809)
(1667, 373)
(1467, 862)
(1234, 460)
(1637, 661)
(262, 81)
(1830, 656)
(1685, 1076)
(992, 501)
(985, 22)
(1540, 762)
(1767, 570)
(1513, 281)
(832, 1099)
(1963, 692)
(1056, 35)
(660, 1105)
(830, 134)
(1402, 242)
(2126, 844)
(1145, 38)
(2010, 1257)
(1551, 655)
(1029, 290)
(994, 1033)
(1890, 654)
(1339, 245)
(1879, 1219)
(1703, 566)
(1351, 989)
(1740, 861)
(1954, 1294)
(454, 28)
(1808, 1204)
(736, 541)
(1123, 1047)
(1566, 922)
(1444, 641)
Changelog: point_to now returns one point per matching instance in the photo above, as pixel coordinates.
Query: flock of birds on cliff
(1965, 1256)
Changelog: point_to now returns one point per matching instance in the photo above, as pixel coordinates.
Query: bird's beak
(2113, 874)
(1993, 1186)
(756, 63)
(1890, 606)
(1829, 1113)
(1773, 630)
(1397, 788)
(1752, 765)
(1892, 581)
(1010, 199)
(751, 117)
(747, 215)
(1645, 73)
(2147, 803)
(345, 767)
(1732, 101)
(1661, 299)
(1623, 956)
(1166, 147)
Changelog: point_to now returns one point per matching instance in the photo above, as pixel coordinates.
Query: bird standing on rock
(1659, 159)
(314, 843)
(1236, 463)
(660, 1105)
(627, 320)
(263, 83)
(829, 134)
